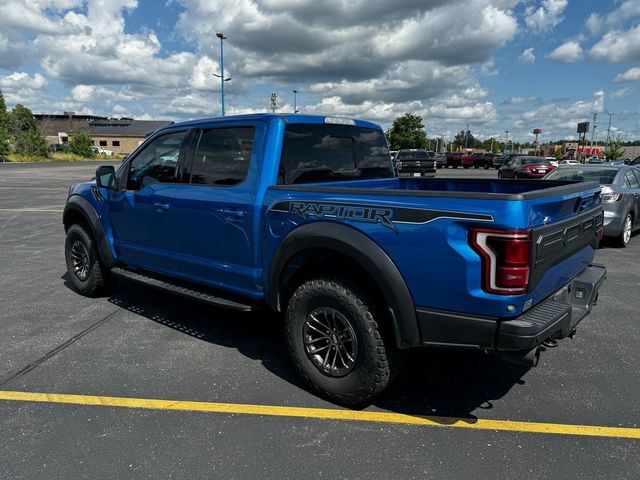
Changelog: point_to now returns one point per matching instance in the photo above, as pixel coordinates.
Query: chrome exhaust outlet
(528, 358)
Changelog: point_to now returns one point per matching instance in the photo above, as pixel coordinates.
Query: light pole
(609, 130)
(295, 100)
(506, 140)
(222, 79)
(466, 138)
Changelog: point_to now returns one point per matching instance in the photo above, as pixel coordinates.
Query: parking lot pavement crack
(33, 365)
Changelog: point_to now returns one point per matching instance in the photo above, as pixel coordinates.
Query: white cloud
(627, 10)
(21, 80)
(527, 56)
(568, 52)
(546, 16)
(618, 47)
(623, 92)
(631, 75)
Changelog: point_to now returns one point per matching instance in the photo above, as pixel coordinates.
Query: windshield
(535, 161)
(603, 176)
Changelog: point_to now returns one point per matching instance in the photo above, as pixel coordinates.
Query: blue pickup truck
(304, 215)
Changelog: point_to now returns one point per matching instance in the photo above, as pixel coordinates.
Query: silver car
(620, 195)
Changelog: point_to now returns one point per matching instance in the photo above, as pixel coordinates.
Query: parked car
(525, 167)
(553, 161)
(101, 150)
(593, 160)
(453, 159)
(466, 160)
(504, 158)
(569, 161)
(635, 161)
(483, 160)
(360, 264)
(441, 160)
(620, 195)
(415, 162)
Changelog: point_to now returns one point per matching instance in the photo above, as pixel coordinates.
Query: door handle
(231, 213)
(162, 207)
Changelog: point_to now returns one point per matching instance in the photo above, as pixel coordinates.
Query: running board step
(182, 289)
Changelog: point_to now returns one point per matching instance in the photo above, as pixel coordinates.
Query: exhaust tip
(528, 358)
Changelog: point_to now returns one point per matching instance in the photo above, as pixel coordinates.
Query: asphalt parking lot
(143, 384)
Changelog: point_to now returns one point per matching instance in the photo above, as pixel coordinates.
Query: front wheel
(334, 338)
(86, 271)
(625, 235)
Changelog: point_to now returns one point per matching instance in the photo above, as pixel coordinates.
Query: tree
(469, 142)
(4, 129)
(615, 149)
(407, 132)
(80, 144)
(27, 139)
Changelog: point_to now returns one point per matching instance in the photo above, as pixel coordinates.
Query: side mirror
(106, 177)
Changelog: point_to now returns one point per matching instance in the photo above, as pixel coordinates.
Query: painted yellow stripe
(30, 210)
(325, 414)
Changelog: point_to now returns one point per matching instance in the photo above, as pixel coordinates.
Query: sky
(494, 65)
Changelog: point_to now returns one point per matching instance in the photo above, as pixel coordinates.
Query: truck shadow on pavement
(433, 382)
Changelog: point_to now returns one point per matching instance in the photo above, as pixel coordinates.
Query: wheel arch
(79, 210)
(352, 250)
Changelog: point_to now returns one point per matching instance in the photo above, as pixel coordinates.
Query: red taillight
(506, 259)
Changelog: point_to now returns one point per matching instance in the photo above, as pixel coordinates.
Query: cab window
(222, 156)
(158, 161)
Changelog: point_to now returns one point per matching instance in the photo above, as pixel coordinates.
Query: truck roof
(286, 118)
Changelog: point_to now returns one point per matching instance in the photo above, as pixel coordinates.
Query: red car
(467, 159)
(525, 167)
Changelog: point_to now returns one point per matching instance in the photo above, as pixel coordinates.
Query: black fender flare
(77, 204)
(368, 254)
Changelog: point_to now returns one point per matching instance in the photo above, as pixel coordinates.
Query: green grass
(58, 157)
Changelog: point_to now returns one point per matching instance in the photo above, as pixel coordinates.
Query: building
(56, 128)
(120, 136)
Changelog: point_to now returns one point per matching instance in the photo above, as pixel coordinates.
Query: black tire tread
(385, 364)
(100, 279)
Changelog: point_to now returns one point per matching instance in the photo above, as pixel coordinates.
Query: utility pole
(274, 101)
(295, 101)
(506, 140)
(593, 130)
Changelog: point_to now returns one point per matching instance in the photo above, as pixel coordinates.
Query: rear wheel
(86, 271)
(334, 338)
(625, 235)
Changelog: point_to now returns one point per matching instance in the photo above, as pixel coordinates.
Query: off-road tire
(377, 359)
(95, 279)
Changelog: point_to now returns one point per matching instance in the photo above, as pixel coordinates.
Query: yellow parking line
(324, 414)
(30, 210)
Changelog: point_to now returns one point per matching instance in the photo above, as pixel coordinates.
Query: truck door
(141, 214)
(215, 219)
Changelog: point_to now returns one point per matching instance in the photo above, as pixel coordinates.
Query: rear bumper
(555, 317)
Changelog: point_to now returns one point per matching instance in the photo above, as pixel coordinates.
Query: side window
(157, 162)
(222, 156)
(630, 180)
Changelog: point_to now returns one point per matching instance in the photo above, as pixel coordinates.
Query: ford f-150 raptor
(305, 215)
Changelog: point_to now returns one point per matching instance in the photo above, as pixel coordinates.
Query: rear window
(417, 155)
(322, 153)
(599, 175)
